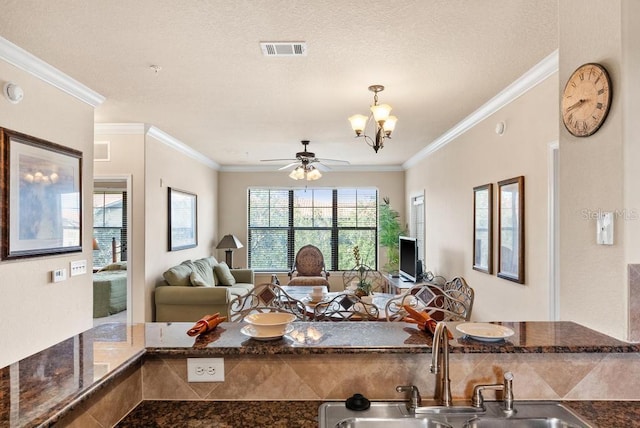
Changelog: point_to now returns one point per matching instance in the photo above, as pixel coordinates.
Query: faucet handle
(416, 399)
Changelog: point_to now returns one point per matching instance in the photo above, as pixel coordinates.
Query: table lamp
(230, 242)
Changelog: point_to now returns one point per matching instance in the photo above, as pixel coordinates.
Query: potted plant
(389, 230)
(363, 285)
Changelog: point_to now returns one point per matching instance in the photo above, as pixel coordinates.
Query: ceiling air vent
(284, 48)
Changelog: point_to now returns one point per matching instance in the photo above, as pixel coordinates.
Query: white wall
(34, 312)
(593, 277)
(478, 157)
(166, 167)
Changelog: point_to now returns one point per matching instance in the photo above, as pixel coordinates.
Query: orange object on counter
(205, 324)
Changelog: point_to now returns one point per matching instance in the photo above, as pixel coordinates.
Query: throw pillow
(224, 274)
(202, 273)
(179, 275)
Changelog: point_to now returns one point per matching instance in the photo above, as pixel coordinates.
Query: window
(281, 221)
(109, 227)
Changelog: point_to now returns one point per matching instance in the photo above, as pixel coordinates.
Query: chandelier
(384, 124)
(306, 172)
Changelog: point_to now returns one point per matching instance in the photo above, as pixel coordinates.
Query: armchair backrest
(309, 262)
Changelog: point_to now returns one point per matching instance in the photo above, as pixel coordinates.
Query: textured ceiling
(438, 59)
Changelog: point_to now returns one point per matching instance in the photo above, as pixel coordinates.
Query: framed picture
(183, 220)
(511, 229)
(483, 228)
(41, 203)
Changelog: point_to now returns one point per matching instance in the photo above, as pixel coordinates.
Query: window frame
(331, 260)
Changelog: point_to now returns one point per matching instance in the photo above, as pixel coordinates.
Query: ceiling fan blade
(279, 160)
(322, 167)
(288, 166)
(343, 162)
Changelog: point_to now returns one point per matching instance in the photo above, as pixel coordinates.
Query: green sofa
(199, 287)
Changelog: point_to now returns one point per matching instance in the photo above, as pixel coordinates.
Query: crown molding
(119, 129)
(534, 76)
(25, 61)
(341, 168)
(178, 145)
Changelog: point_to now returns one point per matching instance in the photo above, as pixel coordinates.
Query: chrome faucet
(506, 387)
(440, 364)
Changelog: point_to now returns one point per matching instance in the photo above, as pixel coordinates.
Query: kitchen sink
(519, 423)
(528, 414)
(391, 423)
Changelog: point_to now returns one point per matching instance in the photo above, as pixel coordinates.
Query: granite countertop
(43, 387)
(373, 336)
(304, 414)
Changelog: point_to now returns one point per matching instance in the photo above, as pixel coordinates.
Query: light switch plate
(78, 267)
(604, 232)
(58, 275)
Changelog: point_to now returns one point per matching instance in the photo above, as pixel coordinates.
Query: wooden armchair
(308, 268)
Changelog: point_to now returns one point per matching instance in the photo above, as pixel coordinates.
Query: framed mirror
(483, 228)
(511, 229)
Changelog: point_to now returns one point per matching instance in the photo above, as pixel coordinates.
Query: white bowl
(270, 324)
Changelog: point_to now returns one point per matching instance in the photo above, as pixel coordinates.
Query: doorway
(112, 250)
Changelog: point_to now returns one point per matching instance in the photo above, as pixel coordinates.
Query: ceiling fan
(305, 163)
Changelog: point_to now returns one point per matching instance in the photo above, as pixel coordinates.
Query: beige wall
(166, 167)
(52, 312)
(127, 161)
(592, 169)
(232, 204)
(478, 157)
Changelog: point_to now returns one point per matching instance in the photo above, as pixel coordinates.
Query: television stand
(400, 285)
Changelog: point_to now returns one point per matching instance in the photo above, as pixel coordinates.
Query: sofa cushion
(180, 274)
(223, 273)
(202, 273)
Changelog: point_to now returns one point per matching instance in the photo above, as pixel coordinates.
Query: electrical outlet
(78, 267)
(205, 369)
(58, 275)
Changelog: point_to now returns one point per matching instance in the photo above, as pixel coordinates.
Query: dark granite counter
(40, 389)
(375, 337)
(304, 414)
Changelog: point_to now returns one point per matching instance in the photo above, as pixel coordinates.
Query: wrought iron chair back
(266, 298)
(435, 301)
(345, 307)
(459, 289)
(375, 281)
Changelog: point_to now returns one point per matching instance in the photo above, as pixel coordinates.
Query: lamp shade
(96, 246)
(229, 241)
(381, 112)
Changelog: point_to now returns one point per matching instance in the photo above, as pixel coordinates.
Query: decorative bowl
(270, 324)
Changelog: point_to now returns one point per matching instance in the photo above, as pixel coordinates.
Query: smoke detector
(283, 48)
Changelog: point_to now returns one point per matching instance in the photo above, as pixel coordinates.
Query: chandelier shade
(381, 115)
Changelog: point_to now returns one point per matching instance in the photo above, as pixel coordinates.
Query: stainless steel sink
(528, 414)
(391, 423)
(519, 423)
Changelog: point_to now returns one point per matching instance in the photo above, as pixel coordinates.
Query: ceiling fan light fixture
(313, 173)
(380, 115)
(298, 173)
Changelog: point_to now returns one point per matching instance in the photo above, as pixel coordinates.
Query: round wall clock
(586, 100)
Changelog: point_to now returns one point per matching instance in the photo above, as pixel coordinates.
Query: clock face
(586, 100)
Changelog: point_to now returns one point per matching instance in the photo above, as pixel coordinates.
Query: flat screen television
(410, 267)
